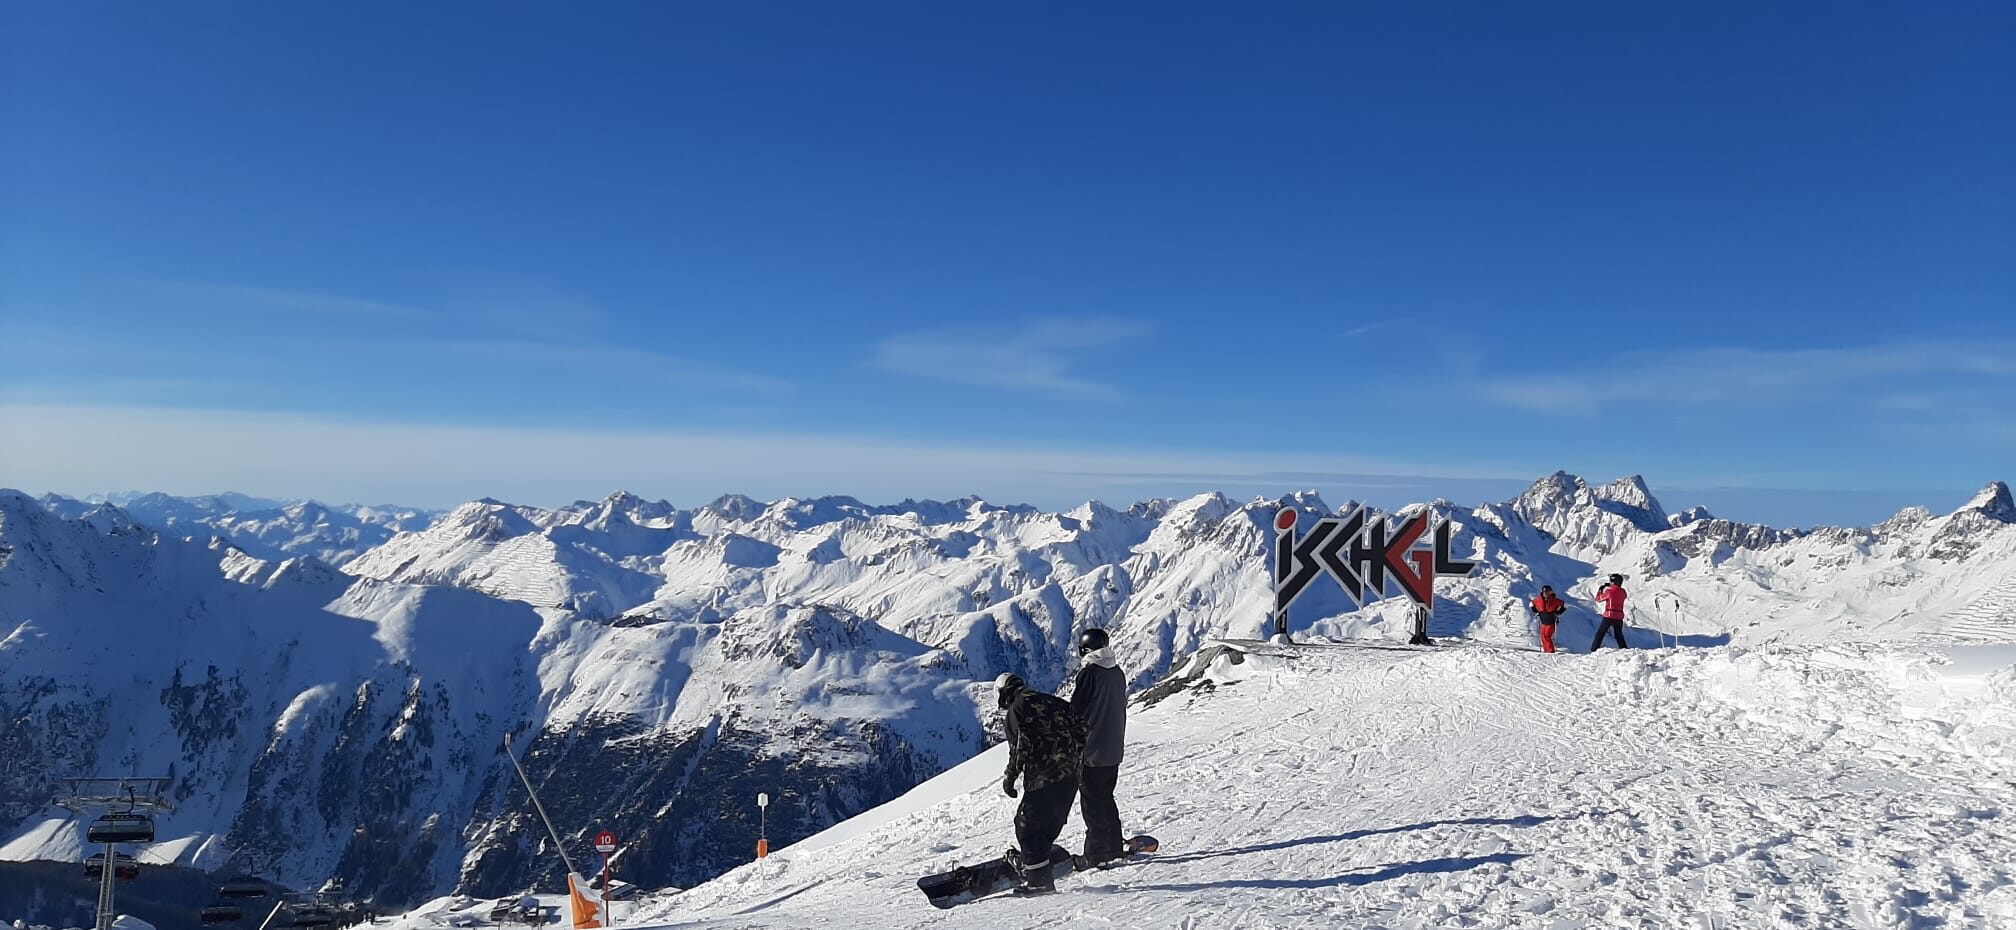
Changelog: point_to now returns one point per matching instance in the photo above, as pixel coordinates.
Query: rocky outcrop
(1964, 530)
(683, 803)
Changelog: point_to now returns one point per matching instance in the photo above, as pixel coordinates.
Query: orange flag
(587, 904)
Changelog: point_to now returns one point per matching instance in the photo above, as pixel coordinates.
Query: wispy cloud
(589, 356)
(1754, 377)
(1375, 327)
(239, 297)
(1040, 356)
(517, 306)
(251, 332)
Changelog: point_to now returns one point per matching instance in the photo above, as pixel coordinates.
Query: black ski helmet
(1007, 686)
(1092, 640)
(1616, 579)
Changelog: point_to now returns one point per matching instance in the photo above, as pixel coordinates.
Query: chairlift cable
(541, 808)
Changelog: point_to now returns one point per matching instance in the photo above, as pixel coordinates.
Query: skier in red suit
(1548, 607)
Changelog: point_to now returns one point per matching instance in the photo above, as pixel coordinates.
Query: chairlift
(243, 886)
(121, 827)
(223, 913)
(123, 867)
(312, 917)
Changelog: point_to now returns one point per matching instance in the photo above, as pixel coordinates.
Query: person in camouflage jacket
(1046, 740)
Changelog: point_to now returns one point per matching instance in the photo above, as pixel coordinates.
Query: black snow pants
(1609, 626)
(1102, 815)
(1040, 817)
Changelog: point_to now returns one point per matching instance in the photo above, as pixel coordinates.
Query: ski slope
(1326, 786)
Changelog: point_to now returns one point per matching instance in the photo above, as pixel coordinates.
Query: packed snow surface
(1362, 786)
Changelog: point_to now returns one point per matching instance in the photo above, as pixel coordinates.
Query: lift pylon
(118, 801)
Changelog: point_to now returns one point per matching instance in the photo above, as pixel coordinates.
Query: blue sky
(1039, 252)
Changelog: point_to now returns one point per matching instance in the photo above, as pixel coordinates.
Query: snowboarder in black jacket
(1100, 696)
(1046, 739)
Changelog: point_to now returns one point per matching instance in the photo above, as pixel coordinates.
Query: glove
(1008, 786)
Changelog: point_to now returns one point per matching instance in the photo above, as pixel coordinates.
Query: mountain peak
(1546, 499)
(1568, 508)
(1994, 500)
(246, 503)
(1963, 532)
(1905, 519)
(1694, 514)
(1630, 489)
(1307, 501)
(486, 518)
(1631, 492)
(735, 507)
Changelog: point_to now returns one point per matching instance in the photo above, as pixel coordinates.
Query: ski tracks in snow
(1387, 788)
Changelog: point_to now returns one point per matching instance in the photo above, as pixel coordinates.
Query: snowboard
(972, 882)
(1138, 847)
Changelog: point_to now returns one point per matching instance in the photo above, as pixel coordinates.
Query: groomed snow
(1351, 786)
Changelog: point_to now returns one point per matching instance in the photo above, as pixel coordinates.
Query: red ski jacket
(1612, 599)
(1548, 605)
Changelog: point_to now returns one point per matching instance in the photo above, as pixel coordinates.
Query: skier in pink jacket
(1610, 601)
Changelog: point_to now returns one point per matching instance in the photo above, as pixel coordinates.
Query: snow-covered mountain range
(265, 528)
(661, 665)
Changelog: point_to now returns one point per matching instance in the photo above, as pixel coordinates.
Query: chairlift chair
(123, 867)
(242, 887)
(312, 917)
(121, 827)
(223, 913)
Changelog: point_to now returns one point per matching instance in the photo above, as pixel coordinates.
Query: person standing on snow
(1548, 607)
(1046, 739)
(1610, 599)
(1100, 696)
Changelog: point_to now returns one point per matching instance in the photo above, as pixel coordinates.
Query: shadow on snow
(1528, 821)
(1378, 873)
(1647, 638)
(1363, 876)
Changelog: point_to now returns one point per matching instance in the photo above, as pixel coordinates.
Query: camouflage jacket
(1045, 739)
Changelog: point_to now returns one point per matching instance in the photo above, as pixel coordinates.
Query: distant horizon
(1880, 505)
